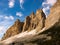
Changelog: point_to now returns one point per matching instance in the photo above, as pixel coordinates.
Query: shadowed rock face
(26, 24)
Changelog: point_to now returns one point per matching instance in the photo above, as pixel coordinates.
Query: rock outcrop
(54, 15)
(49, 35)
(14, 30)
(34, 21)
(40, 19)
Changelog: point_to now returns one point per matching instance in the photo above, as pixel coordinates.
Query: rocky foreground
(36, 30)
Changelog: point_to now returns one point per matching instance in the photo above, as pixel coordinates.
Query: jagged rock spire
(32, 15)
(17, 21)
(15, 29)
(39, 11)
(40, 14)
(31, 22)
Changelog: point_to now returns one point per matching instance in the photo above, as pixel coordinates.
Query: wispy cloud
(47, 5)
(11, 3)
(19, 14)
(5, 23)
(2, 29)
(7, 17)
(51, 2)
(11, 17)
(21, 4)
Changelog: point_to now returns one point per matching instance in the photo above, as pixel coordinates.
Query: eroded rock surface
(15, 29)
(35, 21)
(50, 34)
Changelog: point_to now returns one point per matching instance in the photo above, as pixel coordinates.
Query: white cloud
(19, 14)
(11, 3)
(5, 23)
(21, 4)
(46, 10)
(47, 5)
(9, 17)
(1, 27)
(6, 17)
(52, 2)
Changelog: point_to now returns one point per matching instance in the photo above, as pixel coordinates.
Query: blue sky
(25, 7)
(10, 10)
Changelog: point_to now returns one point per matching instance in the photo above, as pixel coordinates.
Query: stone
(51, 33)
(33, 21)
(15, 29)
(54, 15)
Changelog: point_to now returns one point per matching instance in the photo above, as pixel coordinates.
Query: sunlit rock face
(40, 19)
(49, 36)
(40, 14)
(57, 4)
(54, 15)
(15, 29)
(34, 21)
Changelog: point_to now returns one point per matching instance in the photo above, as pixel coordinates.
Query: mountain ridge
(31, 22)
(48, 35)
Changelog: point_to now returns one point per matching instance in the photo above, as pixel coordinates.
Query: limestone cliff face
(50, 34)
(14, 29)
(34, 21)
(54, 15)
(26, 23)
(40, 19)
(57, 4)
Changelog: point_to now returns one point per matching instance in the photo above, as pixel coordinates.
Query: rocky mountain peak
(32, 15)
(31, 22)
(39, 11)
(17, 22)
(15, 29)
(40, 14)
(48, 29)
